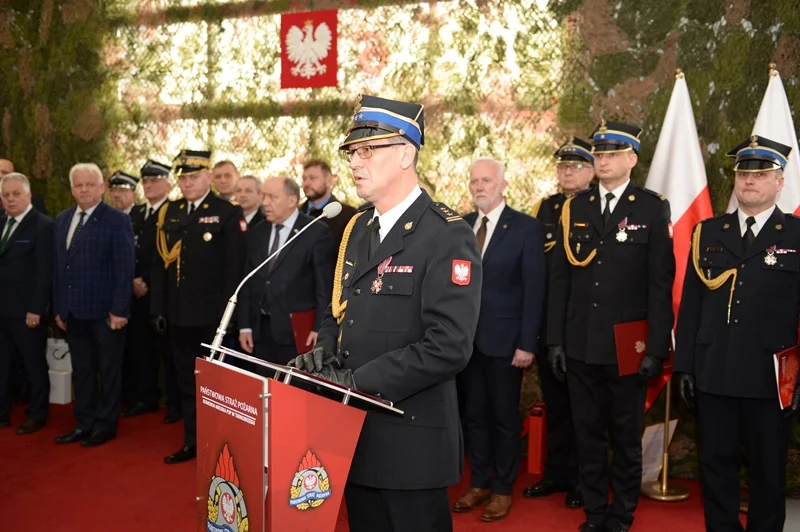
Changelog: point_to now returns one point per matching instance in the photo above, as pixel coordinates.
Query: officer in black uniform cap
(401, 324)
(740, 305)
(145, 347)
(575, 167)
(201, 246)
(122, 189)
(613, 263)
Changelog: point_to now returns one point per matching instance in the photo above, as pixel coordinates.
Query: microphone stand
(231, 306)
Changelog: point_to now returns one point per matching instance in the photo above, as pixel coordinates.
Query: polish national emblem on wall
(307, 47)
(311, 485)
(227, 511)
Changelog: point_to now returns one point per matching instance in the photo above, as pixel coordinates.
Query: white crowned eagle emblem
(305, 48)
(461, 271)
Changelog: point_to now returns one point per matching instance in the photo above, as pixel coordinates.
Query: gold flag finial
(678, 73)
(773, 69)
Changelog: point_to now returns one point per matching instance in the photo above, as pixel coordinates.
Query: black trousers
(185, 343)
(144, 351)
(22, 344)
(266, 348)
(562, 459)
(380, 510)
(603, 401)
(725, 423)
(492, 424)
(95, 348)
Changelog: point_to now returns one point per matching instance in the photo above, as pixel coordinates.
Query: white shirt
(494, 217)
(148, 206)
(128, 210)
(249, 217)
(617, 194)
(286, 228)
(18, 219)
(76, 218)
(196, 203)
(761, 219)
(390, 217)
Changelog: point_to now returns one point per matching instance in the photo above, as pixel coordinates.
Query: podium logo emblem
(226, 508)
(311, 485)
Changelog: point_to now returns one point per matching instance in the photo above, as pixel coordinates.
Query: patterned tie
(607, 210)
(9, 227)
(78, 228)
(374, 236)
(481, 234)
(749, 236)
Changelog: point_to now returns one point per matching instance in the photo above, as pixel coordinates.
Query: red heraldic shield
(309, 54)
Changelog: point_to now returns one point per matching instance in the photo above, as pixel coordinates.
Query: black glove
(159, 324)
(650, 367)
(343, 377)
(315, 360)
(557, 360)
(686, 389)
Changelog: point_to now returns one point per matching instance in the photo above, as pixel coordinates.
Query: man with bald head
(298, 280)
(512, 302)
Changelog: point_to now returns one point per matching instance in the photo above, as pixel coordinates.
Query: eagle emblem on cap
(307, 47)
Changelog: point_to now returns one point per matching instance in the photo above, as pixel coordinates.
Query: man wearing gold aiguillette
(201, 245)
(406, 298)
(613, 263)
(740, 305)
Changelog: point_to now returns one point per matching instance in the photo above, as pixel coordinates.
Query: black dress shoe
(99, 437)
(185, 454)
(574, 498)
(544, 488)
(172, 417)
(137, 410)
(29, 426)
(75, 435)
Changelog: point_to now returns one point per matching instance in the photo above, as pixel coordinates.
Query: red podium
(273, 454)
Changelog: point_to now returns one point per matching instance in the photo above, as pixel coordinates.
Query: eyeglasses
(565, 166)
(365, 152)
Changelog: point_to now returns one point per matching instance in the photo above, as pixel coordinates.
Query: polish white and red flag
(679, 173)
(775, 122)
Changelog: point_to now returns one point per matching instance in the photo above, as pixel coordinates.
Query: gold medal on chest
(770, 259)
(207, 237)
(622, 236)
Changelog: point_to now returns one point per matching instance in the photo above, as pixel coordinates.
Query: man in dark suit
(409, 277)
(613, 263)
(7, 167)
(249, 196)
(318, 188)
(94, 261)
(512, 300)
(201, 245)
(740, 305)
(26, 265)
(299, 279)
(146, 348)
(574, 166)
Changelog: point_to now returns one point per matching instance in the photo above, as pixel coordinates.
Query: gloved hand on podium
(338, 376)
(315, 360)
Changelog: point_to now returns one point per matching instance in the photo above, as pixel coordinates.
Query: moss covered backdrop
(118, 81)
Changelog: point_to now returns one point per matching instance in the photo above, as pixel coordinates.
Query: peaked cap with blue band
(612, 137)
(575, 149)
(122, 180)
(154, 169)
(379, 118)
(192, 161)
(759, 154)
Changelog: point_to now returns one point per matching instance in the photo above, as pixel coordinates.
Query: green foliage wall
(631, 48)
(55, 97)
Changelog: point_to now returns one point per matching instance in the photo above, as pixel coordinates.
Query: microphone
(329, 211)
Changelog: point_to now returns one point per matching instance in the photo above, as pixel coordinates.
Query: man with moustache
(146, 348)
(249, 196)
(612, 263)
(225, 175)
(201, 245)
(740, 305)
(318, 188)
(122, 191)
(26, 265)
(575, 170)
(512, 301)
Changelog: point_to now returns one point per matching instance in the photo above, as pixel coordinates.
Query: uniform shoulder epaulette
(584, 191)
(233, 202)
(445, 212)
(792, 215)
(654, 193)
(367, 206)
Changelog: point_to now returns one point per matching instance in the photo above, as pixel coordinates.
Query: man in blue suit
(512, 303)
(92, 280)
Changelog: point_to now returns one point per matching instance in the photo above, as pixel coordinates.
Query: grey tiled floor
(792, 515)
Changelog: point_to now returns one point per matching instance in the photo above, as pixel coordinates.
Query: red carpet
(124, 486)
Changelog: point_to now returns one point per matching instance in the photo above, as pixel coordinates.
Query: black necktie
(9, 226)
(149, 212)
(374, 236)
(77, 228)
(191, 208)
(276, 243)
(607, 210)
(481, 234)
(749, 235)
